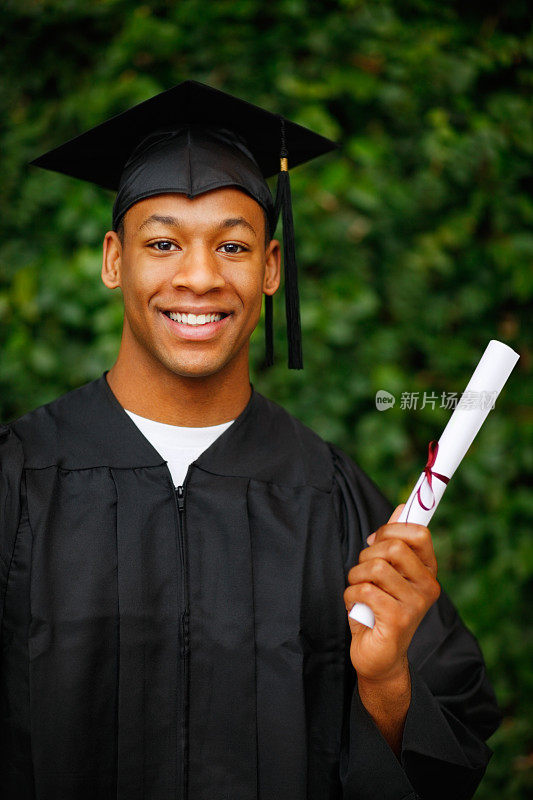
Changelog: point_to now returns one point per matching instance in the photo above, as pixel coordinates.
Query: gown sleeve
(453, 709)
(11, 465)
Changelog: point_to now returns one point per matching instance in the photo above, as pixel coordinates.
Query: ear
(272, 276)
(111, 260)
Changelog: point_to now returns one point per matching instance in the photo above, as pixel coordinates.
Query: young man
(178, 554)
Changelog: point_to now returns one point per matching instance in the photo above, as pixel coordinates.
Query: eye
(233, 248)
(163, 245)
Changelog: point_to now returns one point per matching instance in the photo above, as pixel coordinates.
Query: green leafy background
(415, 247)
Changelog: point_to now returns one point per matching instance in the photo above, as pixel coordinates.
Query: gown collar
(88, 428)
(264, 442)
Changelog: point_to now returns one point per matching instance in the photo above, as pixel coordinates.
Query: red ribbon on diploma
(433, 449)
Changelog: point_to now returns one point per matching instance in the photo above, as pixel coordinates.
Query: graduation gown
(163, 643)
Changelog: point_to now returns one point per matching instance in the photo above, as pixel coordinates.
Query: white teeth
(194, 319)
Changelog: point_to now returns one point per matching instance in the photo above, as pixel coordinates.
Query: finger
(382, 574)
(381, 603)
(396, 513)
(393, 517)
(415, 586)
(417, 537)
(402, 558)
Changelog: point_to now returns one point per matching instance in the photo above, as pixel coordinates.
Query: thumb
(393, 517)
(396, 513)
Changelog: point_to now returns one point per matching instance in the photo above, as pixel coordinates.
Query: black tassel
(292, 298)
(269, 331)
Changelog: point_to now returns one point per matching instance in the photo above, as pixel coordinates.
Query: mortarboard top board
(190, 139)
(100, 154)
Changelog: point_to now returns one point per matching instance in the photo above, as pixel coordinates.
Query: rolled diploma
(490, 376)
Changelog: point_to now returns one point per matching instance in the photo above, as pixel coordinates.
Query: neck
(193, 402)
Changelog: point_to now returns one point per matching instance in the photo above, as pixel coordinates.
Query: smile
(194, 319)
(196, 327)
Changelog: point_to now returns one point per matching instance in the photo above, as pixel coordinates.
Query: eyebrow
(175, 222)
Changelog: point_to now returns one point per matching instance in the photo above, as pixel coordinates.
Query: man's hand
(397, 577)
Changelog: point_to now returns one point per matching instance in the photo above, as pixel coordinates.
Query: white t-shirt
(178, 446)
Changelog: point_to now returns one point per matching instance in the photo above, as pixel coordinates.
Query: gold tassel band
(284, 165)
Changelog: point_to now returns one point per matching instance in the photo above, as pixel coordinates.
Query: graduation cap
(191, 139)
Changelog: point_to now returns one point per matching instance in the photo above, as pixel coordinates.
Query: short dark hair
(120, 228)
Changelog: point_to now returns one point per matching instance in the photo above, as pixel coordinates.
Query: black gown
(163, 643)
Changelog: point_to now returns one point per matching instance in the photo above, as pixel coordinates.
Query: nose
(198, 271)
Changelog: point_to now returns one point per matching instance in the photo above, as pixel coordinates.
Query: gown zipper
(180, 499)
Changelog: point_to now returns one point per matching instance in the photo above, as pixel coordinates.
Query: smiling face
(192, 273)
